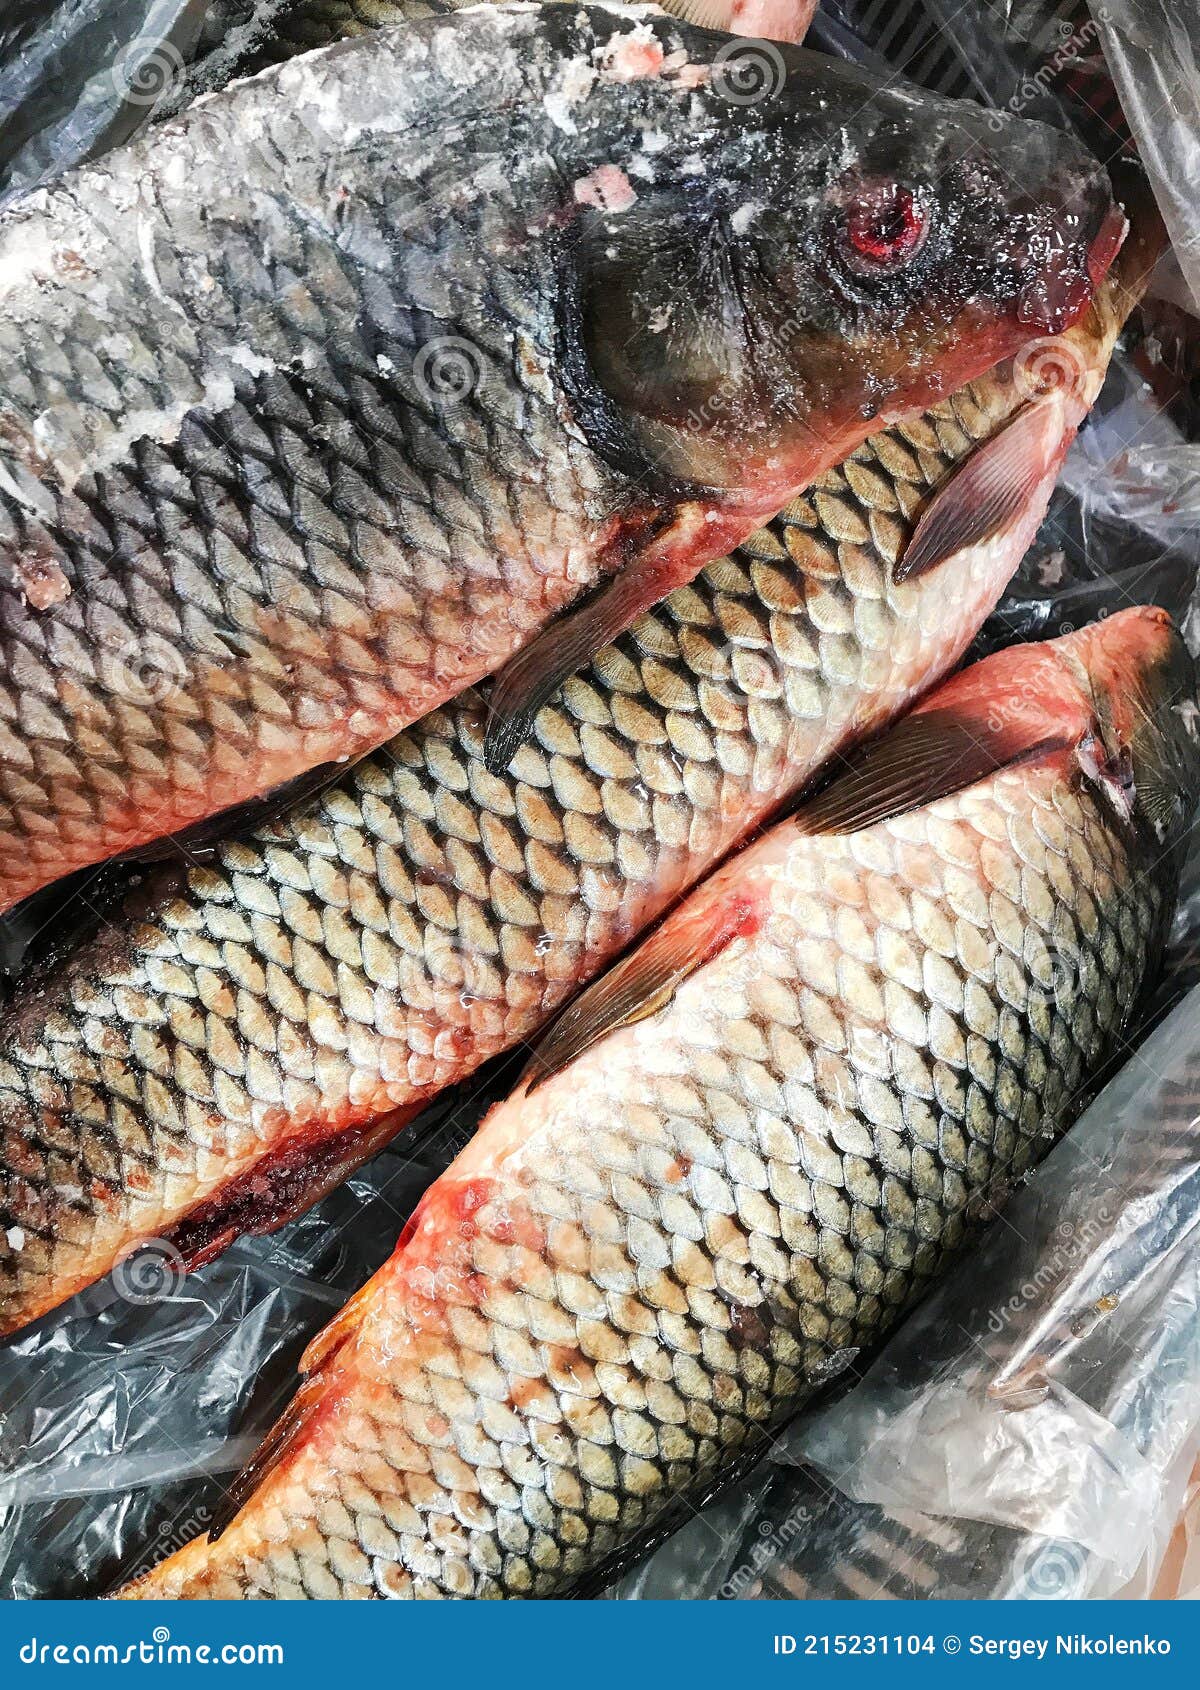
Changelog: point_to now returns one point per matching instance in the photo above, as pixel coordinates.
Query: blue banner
(611, 1646)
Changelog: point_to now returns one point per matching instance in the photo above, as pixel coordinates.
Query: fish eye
(883, 226)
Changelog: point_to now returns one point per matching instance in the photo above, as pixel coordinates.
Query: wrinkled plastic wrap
(124, 1414)
(1035, 1427)
(78, 77)
(1153, 50)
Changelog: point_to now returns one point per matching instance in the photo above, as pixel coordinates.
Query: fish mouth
(1057, 296)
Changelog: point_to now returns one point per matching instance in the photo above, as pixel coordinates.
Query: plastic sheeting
(78, 77)
(123, 1414)
(1153, 51)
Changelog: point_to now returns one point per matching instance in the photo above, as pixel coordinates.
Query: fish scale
(285, 468)
(363, 953)
(276, 592)
(639, 1268)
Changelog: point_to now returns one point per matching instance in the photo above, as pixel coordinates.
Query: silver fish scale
(240, 534)
(360, 955)
(656, 1256)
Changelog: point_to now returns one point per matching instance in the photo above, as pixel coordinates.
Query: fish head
(1145, 749)
(809, 254)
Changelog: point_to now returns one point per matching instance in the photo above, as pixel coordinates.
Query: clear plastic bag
(78, 77)
(1153, 51)
(124, 1414)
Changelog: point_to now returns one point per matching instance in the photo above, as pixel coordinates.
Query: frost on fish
(640, 1267)
(347, 429)
(231, 1041)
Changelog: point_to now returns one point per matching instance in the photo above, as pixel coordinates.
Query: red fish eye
(885, 224)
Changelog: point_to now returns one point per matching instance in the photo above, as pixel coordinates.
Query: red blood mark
(747, 1329)
(740, 918)
(282, 1184)
(679, 1168)
(42, 582)
(608, 188)
(634, 57)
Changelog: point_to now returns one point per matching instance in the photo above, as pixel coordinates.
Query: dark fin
(569, 643)
(640, 985)
(280, 1187)
(982, 496)
(203, 838)
(927, 756)
(540, 668)
(283, 1437)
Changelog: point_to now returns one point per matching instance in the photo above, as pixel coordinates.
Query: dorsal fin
(986, 492)
(927, 756)
(642, 983)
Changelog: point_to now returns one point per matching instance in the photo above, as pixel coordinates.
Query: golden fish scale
(711, 1206)
(362, 954)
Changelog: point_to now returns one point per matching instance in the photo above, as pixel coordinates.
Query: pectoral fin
(285, 1435)
(643, 983)
(986, 493)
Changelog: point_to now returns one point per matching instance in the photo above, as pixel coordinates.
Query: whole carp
(745, 1150)
(247, 1030)
(467, 318)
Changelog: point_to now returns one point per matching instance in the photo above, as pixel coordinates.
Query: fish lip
(1060, 293)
